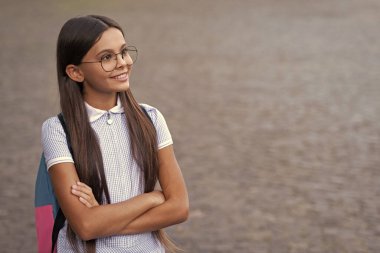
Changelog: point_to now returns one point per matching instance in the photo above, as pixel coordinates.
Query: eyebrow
(110, 50)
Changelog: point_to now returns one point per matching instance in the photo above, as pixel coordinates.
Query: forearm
(169, 213)
(176, 206)
(111, 219)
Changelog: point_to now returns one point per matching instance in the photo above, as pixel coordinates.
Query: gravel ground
(273, 106)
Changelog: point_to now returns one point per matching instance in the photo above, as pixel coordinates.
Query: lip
(121, 77)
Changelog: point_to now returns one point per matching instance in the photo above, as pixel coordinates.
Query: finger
(80, 194)
(84, 185)
(82, 189)
(85, 202)
(89, 203)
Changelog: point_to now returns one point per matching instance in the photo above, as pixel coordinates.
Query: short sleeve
(164, 137)
(54, 143)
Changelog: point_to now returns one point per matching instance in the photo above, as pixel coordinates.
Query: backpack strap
(59, 222)
(60, 218)
(62, 120)
(146, 114)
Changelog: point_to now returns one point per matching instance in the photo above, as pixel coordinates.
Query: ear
(74, 73)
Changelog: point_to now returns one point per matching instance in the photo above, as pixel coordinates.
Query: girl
(118, 152)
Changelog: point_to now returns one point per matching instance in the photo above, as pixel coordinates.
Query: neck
(104, 102)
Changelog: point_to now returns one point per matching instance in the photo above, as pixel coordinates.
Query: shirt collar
(94, 113)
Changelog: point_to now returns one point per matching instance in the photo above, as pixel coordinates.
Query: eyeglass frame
(115, 59)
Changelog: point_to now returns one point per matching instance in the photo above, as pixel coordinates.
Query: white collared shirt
(124, 178)
(94, 113)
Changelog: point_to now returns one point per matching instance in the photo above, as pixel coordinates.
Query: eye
(106, 57)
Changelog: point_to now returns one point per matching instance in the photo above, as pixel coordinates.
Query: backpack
(49, 218)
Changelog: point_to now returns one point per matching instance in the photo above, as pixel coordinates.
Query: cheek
(95, 76)
(97, 81)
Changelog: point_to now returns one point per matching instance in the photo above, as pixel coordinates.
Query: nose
(122, 61)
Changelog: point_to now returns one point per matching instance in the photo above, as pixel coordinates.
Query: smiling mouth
(121, 77)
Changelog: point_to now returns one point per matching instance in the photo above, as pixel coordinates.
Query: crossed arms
(145, 212)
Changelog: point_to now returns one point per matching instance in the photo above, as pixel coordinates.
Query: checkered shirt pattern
(124, 178)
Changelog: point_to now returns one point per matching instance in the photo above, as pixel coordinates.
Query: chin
(122, 87)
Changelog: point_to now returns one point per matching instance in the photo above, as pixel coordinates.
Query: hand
(84, 192)
(158, 197)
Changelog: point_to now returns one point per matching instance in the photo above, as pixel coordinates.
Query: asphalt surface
(273, 106)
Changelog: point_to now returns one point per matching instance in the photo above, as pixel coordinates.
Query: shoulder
(153, 112)
(54, 142)
(163, 134)
(52, 126)
(148, 108)
(51, 123)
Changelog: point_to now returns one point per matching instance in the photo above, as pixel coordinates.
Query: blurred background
(273, 106)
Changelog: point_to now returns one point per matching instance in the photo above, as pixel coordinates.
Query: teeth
(121, 77)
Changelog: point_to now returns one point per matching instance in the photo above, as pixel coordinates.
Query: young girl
(118, 152)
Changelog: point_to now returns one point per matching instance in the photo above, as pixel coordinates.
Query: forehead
(111, 38)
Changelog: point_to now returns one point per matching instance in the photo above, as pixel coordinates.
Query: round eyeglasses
(109, 60)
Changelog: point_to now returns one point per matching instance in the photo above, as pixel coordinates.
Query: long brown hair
(76, 38)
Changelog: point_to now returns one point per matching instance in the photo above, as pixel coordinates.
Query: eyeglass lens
(109, 62)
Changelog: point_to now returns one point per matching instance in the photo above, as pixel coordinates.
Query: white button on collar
(109, 120)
